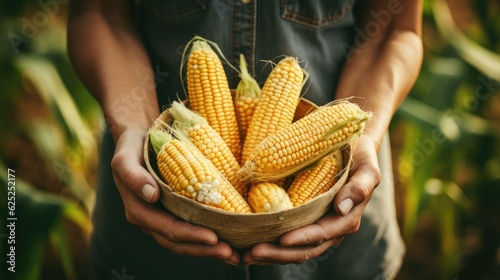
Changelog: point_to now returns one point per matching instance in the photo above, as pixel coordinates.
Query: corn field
(445, 138)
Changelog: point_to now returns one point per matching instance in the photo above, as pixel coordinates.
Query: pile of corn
(247, 155)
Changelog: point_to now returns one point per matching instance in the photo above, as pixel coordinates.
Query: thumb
(128, 166)
(364, 178)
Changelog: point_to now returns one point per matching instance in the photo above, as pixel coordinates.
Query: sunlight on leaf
(50, 87)
(483, 59)
(434, 186)
(47, 138)
(75, 214)
(449, 127)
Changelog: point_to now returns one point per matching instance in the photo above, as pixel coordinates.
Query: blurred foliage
(39, 216)
(449, 159)
(50, 127)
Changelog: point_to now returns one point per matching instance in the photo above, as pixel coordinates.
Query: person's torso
(313, 31)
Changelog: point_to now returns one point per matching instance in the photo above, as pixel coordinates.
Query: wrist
(138, 121)
(374, 133)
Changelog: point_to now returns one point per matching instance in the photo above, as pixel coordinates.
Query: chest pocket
(176, 9)
(316, 14)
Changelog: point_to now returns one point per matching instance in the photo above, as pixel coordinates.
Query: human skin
(110, 59)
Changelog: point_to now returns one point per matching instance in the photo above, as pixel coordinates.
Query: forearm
(112, 63)
(383, 70)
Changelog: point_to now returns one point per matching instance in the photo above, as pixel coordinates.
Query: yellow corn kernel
(190, 174)
(247, 97)
(245, 107)
(277, 103)
(268, 197)
(321, 178)
(197, 130)
(304, 142)
(209, 94)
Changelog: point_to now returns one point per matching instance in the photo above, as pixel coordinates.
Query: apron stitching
(247, 272)
(253, 36)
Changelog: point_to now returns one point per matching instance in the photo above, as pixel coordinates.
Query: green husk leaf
(159, 138)
(248, 86)
(184, 117)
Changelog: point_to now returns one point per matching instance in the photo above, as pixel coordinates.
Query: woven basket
(242, 231)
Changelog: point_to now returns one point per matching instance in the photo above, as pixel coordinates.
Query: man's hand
(310, 241)
(138, 190)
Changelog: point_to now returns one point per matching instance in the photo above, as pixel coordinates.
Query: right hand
(139, 190)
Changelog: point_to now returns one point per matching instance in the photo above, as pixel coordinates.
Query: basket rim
(344, 172)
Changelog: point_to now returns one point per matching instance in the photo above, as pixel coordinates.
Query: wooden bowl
(242, 231)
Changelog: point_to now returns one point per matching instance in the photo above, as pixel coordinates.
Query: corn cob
(304, 142)
(309, 184)
(209, 93)
(190, 174)
(197, 130)
(277, 103)
(247, 97)
(268, 197)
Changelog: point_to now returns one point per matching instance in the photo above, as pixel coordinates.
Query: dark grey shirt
(313, 31)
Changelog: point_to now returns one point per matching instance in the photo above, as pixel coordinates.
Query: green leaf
(49, 85)
(61, 245)
(476, 55)
(37, 213)
(74, 213)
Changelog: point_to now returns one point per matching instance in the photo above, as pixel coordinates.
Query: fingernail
(254, 261)
(229, 262)
(148, 191)
(345, 206)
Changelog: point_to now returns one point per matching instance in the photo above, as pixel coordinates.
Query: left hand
(302, 244)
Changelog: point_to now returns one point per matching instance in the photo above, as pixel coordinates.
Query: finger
(177, 231)
(234, 259)
(220, 250)
(365, 177)
(153, 219)
(330, 227)
(266, 253)
(128, 166)
(262, 260)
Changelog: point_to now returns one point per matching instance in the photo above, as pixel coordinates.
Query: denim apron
(311, 30)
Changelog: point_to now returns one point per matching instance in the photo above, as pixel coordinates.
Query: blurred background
(445, 137)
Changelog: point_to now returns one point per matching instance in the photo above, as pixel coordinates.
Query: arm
(110, 59)
(382, 72)
(108, 56)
